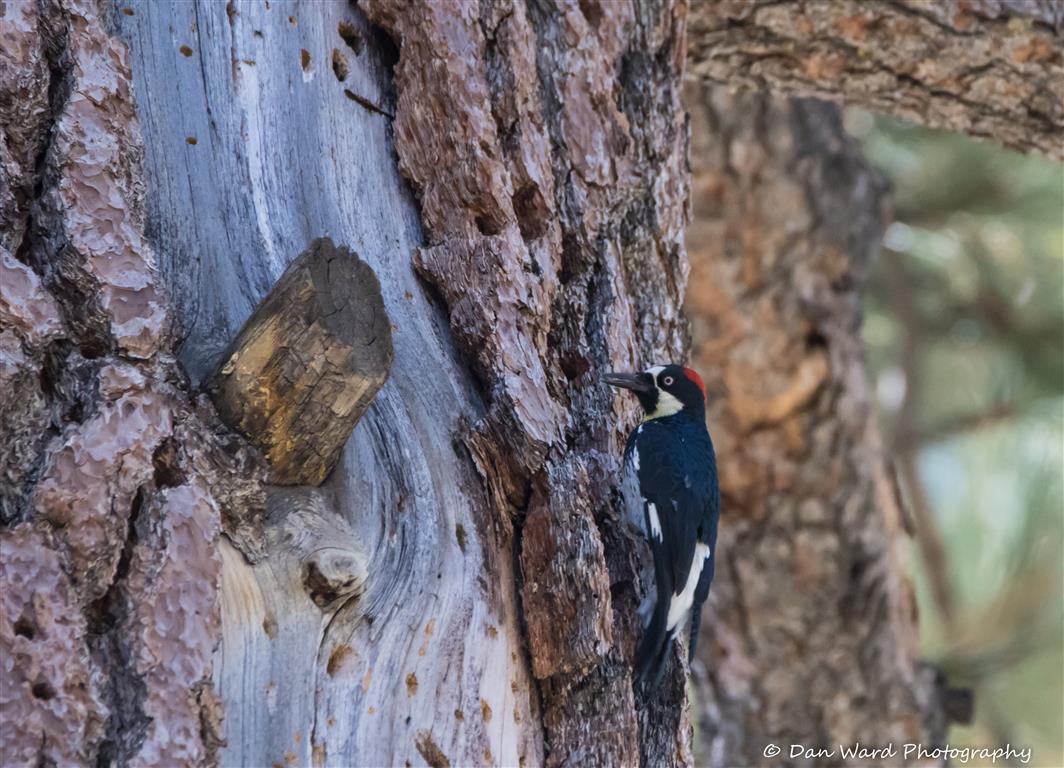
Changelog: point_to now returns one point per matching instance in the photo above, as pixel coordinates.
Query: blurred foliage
(965, 334)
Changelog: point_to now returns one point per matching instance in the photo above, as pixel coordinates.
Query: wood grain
(283, 156)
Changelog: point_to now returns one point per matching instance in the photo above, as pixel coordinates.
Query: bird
(671, 489)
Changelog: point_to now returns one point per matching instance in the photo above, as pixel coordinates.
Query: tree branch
(984, 67)
(956, 425)
(307, 364)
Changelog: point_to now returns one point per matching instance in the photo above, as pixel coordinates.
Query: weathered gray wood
(329, 561)
(275, 613)
(307, 363)
(283, 155)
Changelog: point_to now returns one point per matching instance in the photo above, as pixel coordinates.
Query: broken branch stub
(307, 363)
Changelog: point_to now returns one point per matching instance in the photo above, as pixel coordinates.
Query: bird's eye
(667, 381)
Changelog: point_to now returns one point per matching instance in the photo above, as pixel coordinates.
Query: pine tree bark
(811, 635)
(461, 590)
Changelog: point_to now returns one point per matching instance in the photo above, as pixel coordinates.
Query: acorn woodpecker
(671, 489)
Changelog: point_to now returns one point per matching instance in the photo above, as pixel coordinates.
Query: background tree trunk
(813, 623)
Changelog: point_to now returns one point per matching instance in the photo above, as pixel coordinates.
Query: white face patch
(655, 521)
(667, 404)
(680, 604)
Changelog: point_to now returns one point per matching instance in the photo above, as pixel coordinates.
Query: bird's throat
(667, 405)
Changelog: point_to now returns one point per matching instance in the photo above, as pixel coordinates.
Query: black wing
(674, 485)
(709, 536)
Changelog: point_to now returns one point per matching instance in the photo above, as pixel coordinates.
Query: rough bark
(811, 634)
(113, 472)
(553, 211)
(305, 367)
(991, 68)
(164, 582)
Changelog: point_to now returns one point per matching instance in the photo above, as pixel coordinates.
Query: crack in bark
(368, 105)
(325, 663)
(31, 246)
(126, 690)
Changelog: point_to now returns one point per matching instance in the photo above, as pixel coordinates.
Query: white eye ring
(667, 381)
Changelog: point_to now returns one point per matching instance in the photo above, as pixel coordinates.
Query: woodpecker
(670, 486)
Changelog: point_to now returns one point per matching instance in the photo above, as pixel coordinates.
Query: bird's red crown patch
(693, 376)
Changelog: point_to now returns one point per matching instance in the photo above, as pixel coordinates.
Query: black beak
(637, 382)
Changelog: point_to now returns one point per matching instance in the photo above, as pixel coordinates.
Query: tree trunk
(987, 67)
(811, 639)
(461, 589)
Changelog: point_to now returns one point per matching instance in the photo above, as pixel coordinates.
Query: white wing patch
(680, 604)
(635, 458)
(655, 521)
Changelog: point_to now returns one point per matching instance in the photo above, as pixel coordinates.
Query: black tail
(653, 648)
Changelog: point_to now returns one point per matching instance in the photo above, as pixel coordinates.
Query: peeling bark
(992, 68)
(112, 521)
(810, 637)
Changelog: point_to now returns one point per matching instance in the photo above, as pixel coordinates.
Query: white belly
(680, 604)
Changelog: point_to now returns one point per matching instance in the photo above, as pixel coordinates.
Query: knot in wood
(331, 563)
